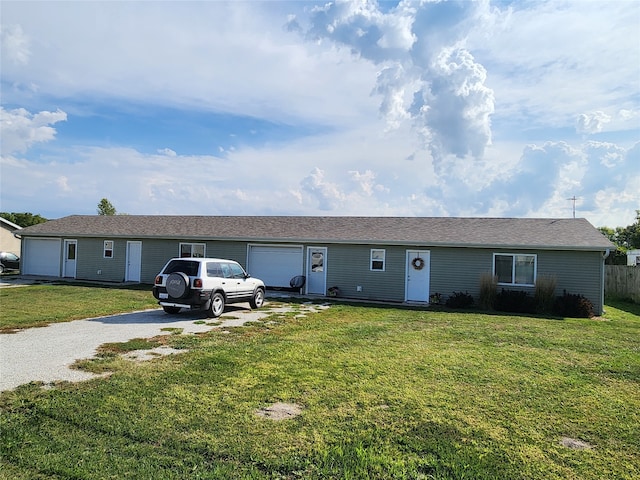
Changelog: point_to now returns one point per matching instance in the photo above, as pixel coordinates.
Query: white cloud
(588, 123)
(15, 44)
(365, 181)
(21, 129)
(438, 85)
(550, 61)
(538, 184)
(167, 151)
(422, 108)
(628, 114)
(460, 105)
(63, 183)
(327, 194)
(225, 56)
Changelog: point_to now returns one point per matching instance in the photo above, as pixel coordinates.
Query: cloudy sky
(412, 108)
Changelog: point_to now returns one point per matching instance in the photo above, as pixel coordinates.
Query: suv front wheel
(216, 305)
(258, 299)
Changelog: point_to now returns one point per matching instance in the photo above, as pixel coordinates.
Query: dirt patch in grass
(280, 411)
(150, 354)
(575, 444)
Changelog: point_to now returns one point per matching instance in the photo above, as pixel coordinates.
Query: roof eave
(295, 240)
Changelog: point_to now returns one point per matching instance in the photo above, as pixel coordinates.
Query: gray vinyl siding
(460, 269)
(90, 260)
(576, 272)
(349, 266)
(156, 253)
(452, 269)
(236, 251)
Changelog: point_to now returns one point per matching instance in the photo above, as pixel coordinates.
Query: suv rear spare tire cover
(177, 285)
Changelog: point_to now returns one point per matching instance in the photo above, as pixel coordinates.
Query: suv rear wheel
(216, 305)
(171, 310)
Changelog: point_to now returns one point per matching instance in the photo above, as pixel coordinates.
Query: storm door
(316, 270)
(70, 252)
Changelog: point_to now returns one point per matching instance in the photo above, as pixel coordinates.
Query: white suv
(205, 283)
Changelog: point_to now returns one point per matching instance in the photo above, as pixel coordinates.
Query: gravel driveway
(45, 354)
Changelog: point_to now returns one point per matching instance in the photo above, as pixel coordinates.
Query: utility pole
(573, 199)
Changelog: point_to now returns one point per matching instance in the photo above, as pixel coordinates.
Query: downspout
(605, 255)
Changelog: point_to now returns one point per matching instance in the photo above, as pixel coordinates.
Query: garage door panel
(275, 265)
(41, 257)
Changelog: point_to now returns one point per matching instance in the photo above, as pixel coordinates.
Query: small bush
(488, 290)
(334, 291)
(459, 300)
(515, 301)
(435, 299)
(545, 293)
(573, 305)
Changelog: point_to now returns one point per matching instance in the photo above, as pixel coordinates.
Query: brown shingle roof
(426, 231)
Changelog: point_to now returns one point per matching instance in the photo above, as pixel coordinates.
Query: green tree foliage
(625, 238)
(105, 207)
(23, 219)
(630, 236)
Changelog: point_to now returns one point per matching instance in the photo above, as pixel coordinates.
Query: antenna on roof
(573, 199)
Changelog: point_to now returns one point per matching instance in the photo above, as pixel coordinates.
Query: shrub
(459, 300)
(435, 299)
(515, 301)
(334, 291)
(573, 305)
(545, 293)
(488, 290)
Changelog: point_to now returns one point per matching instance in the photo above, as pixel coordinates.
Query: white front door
(418, 273)
(70, 252)
(134, 261)
(316, 270)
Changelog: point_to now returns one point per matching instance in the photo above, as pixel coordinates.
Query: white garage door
(275, 265)
(41, 257)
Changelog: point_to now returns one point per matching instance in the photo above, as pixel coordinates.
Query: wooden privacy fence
(622, 281)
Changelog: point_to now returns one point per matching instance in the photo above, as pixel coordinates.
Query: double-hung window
(108, 249)
(377, 263)
(515, 269)
(192, 250)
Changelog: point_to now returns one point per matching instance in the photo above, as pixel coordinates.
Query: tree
(630, 236)
(23, 219)
(625, 238)
(105, 207)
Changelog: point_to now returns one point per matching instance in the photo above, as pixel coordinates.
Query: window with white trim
(377, 263)
(192, 250)
(108, 249)
(515, 269)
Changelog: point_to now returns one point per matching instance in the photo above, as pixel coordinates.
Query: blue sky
(503, 109)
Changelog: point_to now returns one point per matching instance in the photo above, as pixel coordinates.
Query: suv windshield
(186, 266)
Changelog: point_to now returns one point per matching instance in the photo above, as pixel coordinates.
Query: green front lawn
(384, 393)
(40, 305)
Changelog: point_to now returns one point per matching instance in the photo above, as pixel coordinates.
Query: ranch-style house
(370, 258)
